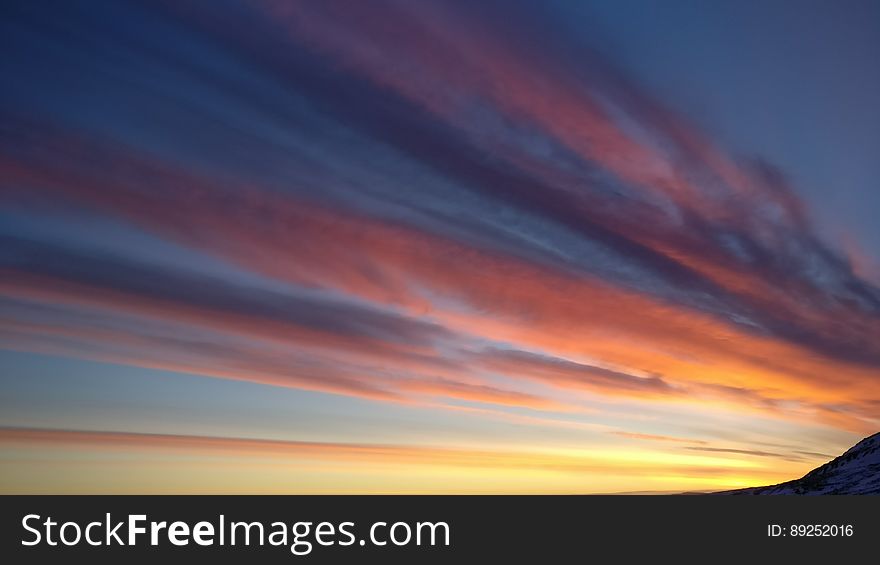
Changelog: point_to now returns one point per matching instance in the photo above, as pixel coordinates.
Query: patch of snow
(857, 471)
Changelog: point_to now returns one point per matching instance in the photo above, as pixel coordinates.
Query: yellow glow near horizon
(79, 462)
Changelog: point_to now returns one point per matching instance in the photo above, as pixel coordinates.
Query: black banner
(436, 529)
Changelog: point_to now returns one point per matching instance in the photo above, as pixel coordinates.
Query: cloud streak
(408, 204)
(296, 456)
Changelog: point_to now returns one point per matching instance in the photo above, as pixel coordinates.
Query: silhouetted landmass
(857, 471)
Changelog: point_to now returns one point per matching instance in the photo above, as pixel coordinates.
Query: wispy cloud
(409, 205)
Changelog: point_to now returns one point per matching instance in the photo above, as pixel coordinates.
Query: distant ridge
(857, 471)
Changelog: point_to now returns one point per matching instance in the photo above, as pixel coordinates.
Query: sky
(436, 247)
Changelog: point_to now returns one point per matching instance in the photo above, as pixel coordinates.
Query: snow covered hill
(855, 472)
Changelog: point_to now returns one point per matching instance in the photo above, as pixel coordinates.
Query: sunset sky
(271, 246)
